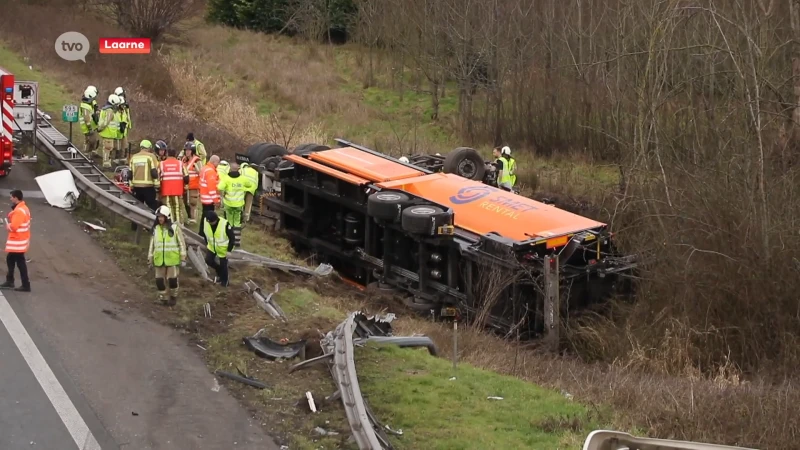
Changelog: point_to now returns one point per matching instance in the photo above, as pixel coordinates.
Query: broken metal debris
(323, 432)
(403, 341)
(240, 255)
(266, 302)
(267, 348)
(199, 263)
(207, 310)
(242, 379)
(90, 226)
(311, 405)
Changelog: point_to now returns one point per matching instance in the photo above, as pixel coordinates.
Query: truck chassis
(373, 232)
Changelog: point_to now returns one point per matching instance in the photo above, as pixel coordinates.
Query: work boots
(173, 300)
(9, 284)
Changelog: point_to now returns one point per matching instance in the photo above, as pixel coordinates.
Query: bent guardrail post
(552, 307)
(266, 303)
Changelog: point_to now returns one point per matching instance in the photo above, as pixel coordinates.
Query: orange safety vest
(19, 237)
(194, 175)
(171, 177)
(208, 185)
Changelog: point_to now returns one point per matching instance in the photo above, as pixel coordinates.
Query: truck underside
(479, 252)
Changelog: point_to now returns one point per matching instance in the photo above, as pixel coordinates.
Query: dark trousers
(18, 260)
(147, 195)
(206, 208)
(220, 267)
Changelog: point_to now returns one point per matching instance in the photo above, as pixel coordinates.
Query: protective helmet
(506, 151)
(90, 92)
(146, 144)
(403, 159)
(163, 210)
(190, 146)
(224, 163)
(161, 145)
(114, 99)
(119, 91)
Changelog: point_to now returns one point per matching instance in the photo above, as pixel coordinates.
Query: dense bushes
(313, 18)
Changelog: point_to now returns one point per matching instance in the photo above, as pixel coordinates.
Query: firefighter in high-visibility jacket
(167, 251)
(126, 122)
(108, 127)
(144, 173)
(232, 189)
(219, 238)
(253, 175)
(173, 178)
(199, 148)
(18, 241)
(209, 197)
(89, 120)
(193, 166)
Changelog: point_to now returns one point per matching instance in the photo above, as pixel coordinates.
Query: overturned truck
(456, 245)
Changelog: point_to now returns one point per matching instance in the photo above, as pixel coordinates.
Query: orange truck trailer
(440, 237)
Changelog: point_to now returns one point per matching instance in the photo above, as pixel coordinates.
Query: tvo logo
(72, 46)
(470, 194)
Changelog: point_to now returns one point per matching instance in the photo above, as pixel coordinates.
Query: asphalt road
(80, 369)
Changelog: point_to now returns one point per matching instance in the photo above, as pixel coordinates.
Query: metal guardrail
(343, 369)
(91, 180)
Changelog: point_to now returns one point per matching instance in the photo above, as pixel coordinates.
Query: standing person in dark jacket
(220, 238)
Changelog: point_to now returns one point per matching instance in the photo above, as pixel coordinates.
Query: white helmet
(224, 163)
(506, 151)
(163, 210)
(90, 92)
(119, 91)
(403, 159)
(114, 99)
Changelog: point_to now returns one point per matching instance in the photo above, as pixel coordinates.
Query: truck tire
(386, 205)
(424, 219)
(307, 149)
(465, 162)
(260, 152)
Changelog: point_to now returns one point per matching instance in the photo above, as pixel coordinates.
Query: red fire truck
(7, 113)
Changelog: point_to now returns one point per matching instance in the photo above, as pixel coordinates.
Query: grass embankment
(721, 410)
(315, 307)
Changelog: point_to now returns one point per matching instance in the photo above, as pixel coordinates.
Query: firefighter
(167, 251)
(161, 150)
(18, 241)
(200, 149)
(502, 166)
(173, 177)
(223, 168)
(232, 188)
(144, 170)
(108, 127)
(126, 124)
(209, 197)
(253, 175)
(219, 238)
(193, 167)
(89, 121)
(511, 164)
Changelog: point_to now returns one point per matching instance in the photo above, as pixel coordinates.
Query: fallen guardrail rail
(265, 301)
(91, 180)
(338, 348)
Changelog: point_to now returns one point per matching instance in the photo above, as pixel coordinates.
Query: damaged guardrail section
(339, 346)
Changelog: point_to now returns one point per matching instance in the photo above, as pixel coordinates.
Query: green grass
(412, 391)
(302, 301)
(52, 95)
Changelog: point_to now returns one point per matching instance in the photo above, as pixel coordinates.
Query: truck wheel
(465, 162)
(307, 149)
(424, 219)
(386, 205)
(259, 153)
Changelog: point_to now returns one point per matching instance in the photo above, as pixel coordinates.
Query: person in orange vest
(173, 177)
(209, 197)
(193, 167)
(18, 225)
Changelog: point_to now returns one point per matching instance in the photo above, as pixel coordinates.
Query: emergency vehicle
(7, 130)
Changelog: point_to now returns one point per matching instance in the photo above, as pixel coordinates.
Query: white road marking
(72, 419)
